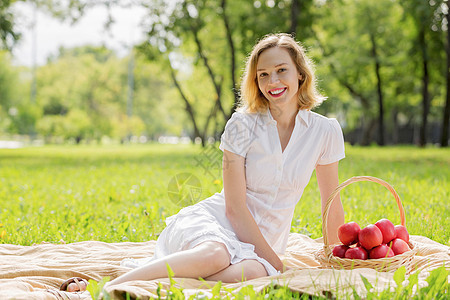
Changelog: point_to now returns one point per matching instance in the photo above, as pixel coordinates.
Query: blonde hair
(252, 100)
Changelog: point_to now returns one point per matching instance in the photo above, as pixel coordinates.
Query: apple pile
(373, 241)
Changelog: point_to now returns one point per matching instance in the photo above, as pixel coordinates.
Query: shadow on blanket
(27, 272)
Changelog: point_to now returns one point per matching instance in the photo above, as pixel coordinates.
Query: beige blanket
(28, 272)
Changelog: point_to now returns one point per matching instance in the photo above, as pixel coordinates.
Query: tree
(360, 50)
(425, 15)
(95, 93)
(218, 34)
(7, 79)
(8, 35)
(215, 35)
(379, 60)
(446, 112)
(16, 115)
(76, 126)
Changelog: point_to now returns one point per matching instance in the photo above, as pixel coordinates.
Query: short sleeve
(333, 144)
(236, 137)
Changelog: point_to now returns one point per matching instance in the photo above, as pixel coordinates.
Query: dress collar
(302, 115)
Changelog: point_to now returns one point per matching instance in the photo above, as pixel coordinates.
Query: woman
(271, 146)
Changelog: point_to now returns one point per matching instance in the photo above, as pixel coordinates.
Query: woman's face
(278, 78)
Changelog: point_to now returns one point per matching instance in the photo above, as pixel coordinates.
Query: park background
(93, 128)
(97, 125)
(384, 66)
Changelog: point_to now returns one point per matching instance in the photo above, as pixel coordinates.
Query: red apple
(348, 233)
(399, 246)
(370, 237)
(387, 229)
(381, 251)
(340, 250)
(401, 232)
(356, 253)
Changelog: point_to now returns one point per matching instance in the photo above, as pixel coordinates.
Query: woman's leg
(201, 261)
(244, 270)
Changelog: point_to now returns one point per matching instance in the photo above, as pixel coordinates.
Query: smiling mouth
(277, 92)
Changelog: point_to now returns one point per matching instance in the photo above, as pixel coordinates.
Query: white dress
(275, 183)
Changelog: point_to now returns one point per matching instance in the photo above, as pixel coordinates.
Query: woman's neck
(285, 117)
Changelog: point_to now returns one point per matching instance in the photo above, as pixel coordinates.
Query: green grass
(421, 177)
(120, 193)
(90, 193)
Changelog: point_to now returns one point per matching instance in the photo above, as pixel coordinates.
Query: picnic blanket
(29, 272)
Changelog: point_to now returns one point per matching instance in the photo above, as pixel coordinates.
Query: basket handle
(352, 180)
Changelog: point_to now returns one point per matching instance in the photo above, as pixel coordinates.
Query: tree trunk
(367, 132)
(446, 116)
(395, 128)
(379, 92)
(295, 11)
(212, 76)
(212, 115)
(425, 93)
(188, 106)
(232, 58)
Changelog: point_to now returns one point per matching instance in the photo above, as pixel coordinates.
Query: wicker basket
(388, 264)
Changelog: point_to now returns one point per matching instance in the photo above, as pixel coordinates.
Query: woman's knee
(254, 269)
(214, 255)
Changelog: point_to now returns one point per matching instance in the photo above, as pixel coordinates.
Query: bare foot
(74, 284)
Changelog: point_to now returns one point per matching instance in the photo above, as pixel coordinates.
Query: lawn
(124, 193)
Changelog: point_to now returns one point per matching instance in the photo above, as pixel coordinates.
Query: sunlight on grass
(121, 193)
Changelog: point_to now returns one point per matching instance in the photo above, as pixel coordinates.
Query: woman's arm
(328, 180)
(244, 225)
